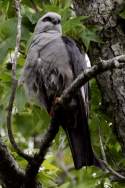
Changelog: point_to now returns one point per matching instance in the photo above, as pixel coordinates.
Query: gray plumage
(52, 63)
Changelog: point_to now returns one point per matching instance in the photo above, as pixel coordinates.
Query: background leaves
(30, 121)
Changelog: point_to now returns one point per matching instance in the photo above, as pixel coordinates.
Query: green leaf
(4, 6)
(8, 36)
(40, 116)
(33, 120)
(2, 116)
(49, 166)
(46, 180)
(62, 9)
(30, 13)
(24, 122)
(88, 35)
(122, 14)
(73, 26)
(20, 99)
(65, 185)
(118, 185)
(5, 76)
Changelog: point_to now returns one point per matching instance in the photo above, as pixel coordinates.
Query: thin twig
(102, 146)
(105, 162)
(14, 85)
(112, 171)
(117, 58)
(34, 6)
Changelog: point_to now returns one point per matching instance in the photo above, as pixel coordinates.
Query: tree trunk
(104, 13)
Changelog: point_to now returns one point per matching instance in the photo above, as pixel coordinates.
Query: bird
(53, 61)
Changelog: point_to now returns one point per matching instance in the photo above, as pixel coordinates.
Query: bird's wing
(79, 62)
(76, 127)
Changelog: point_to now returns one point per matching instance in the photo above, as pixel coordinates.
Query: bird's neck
(50, 34)
(55, 32)
(44, 38)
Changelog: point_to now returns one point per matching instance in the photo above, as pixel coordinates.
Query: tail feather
(76, 127)
(80, 145)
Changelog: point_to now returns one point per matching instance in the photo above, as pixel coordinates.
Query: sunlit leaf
(46, 180)
(8, 36)
(122, 14)
(89, 35)
(30, 13)
(65, 185)
(20, 99)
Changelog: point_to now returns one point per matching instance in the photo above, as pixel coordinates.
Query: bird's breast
(55, 61)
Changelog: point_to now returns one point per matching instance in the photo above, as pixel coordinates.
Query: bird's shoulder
(76, 55)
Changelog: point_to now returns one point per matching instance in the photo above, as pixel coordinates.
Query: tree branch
(14, 85)
(34, 6)
(105, 162)
(10, 174)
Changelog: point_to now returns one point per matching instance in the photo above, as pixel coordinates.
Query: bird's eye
(47, 19)
(59, 21)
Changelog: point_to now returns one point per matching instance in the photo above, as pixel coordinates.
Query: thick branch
(10, 174)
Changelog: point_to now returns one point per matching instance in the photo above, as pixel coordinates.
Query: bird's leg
(55, 106)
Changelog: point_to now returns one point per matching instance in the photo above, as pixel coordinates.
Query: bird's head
(51, 21)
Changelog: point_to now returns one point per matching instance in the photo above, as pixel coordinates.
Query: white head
(51, 21)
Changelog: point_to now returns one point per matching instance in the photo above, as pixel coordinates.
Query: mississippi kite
(53, 62)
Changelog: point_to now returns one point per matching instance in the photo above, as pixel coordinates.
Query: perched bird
(53, 62)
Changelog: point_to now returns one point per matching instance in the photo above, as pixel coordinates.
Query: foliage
(121, 12)
(30, 121)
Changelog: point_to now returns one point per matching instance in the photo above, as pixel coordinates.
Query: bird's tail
(78, 134)
(80, 146)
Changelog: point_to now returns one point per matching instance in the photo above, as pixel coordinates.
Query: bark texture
(104, 13)
(10, 173)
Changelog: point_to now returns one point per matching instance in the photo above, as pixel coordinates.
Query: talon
(57, 100)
